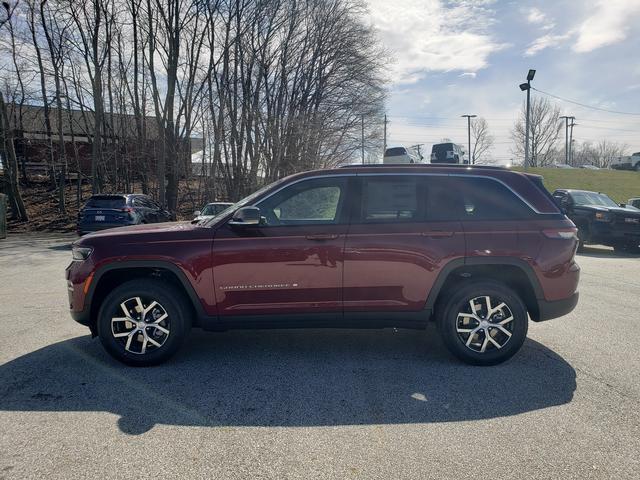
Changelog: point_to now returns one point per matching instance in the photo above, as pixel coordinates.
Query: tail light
(126, 209)
(561, 233)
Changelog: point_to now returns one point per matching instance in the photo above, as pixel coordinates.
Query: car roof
(427, 166)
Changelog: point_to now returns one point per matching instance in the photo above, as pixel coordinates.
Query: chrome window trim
(422, 174)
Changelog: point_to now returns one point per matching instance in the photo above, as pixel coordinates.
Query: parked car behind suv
(600, 220)
(477, 249)
(109, 211)
(210, 210)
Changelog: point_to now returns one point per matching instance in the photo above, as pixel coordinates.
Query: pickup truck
(600, 220)
(627, 163)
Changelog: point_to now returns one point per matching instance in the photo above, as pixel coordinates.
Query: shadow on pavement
(287, 378)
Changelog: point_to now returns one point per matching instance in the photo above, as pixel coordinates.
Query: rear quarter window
(487, 199)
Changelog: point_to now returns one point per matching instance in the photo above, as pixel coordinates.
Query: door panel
(492, 217)
(397, 244)
(393, 267)
(294, 263)
(279, 271)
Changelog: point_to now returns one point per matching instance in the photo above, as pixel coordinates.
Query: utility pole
(469, 117)
(384, 148)
(362, 146)
(527, 87)
(573, 124)
(566, 137)
(418, 147)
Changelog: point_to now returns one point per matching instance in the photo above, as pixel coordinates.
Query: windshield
(592, 198)
(245, 201)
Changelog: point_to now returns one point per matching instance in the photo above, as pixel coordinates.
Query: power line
(584, 105)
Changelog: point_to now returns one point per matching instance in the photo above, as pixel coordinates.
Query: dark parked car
(600, 220)
(109, 211)
(477, 249)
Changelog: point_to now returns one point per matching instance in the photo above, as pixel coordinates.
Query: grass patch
(619, 185)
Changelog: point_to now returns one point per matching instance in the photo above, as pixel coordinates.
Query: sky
(450, 58)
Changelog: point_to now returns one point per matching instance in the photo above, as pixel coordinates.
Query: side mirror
(196, 213)
(246, 216)
(623, 205)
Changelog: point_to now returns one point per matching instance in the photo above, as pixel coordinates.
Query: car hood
(155, 232)
(629, 212)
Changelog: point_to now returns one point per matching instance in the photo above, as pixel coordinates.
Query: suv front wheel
(483, 323)
(143, 322)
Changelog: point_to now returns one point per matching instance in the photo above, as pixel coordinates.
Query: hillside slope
(619, 185)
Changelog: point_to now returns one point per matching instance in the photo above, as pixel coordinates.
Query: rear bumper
(558, 308)
(83, 229)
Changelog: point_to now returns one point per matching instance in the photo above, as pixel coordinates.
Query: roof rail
(423, 165)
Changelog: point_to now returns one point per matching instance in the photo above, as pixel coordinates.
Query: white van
(399, 155)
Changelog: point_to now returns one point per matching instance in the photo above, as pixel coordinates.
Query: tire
(136, 343)
(620, 248)
(626, 248)
(582, 236)
(457, 324)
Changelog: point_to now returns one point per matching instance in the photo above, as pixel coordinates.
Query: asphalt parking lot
(317, 404)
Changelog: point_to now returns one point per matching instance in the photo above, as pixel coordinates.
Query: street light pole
(469, 117)
(362, 146)
(527, 87)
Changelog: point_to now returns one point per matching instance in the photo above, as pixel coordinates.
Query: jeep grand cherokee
(479, 250)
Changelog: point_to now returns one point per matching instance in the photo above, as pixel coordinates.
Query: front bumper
(557, 308)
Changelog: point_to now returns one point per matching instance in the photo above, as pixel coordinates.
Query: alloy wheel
(485, 324)
(144, 327)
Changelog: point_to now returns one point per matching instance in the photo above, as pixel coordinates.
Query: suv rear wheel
(143, 322)
(483, 323)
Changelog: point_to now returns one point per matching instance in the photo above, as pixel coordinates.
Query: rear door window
(444, 202)
(392, 199)
(142, 202)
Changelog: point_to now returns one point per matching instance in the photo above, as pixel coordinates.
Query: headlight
(603, 217)
(81, 253)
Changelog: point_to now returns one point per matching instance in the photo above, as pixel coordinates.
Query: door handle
(322, 236)
(437, 234)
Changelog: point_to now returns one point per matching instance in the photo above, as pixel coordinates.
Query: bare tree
(8, 157)
(544, 131)
(6, 12)
(607, 150)
(481, 141)
(267, 87)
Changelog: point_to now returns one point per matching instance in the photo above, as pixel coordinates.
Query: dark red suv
(477, 249)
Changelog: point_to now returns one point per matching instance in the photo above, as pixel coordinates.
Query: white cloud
(536, 16)
(546, 41)
(468, 74)
(429, 35)
(608, 23)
